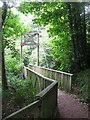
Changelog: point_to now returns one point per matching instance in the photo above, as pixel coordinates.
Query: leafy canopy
(13, 29)
(55, 16)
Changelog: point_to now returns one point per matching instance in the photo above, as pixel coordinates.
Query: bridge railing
(46, 89)
(63, 78)
(45, 101)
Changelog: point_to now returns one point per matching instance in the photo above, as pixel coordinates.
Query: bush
(13, 65)
(13, 68)
(20, 94)
(81, 82)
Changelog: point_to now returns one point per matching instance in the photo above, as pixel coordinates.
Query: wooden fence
(63, 78)
(45, 103)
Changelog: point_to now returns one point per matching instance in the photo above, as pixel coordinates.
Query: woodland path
(69, 107)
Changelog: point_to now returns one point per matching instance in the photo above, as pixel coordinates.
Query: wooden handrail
(44, 92)
(19, 113)
(64, 79)
(38, 74)
(46, 99)
(52, 70)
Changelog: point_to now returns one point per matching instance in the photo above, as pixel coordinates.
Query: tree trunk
(4, 79)
(76, 16)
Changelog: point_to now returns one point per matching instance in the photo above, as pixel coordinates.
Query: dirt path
(69, 107)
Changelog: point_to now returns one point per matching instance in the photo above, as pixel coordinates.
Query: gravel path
(69, 107)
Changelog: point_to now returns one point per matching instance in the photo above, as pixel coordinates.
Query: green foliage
(88, 33)
(20, 94)
(12, 26)
(45, 49)
(81, 82)
(67, 29)
(67, 26)
(61, 52)
(46, 58)
(54, 15)
(24, 91)
(12, 30)
(47, 13)
(13, 66)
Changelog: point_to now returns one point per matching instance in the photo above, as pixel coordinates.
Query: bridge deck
(69, 107)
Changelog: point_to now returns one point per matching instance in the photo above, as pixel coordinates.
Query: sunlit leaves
(12, 27)
(54, 15)
(12, 30)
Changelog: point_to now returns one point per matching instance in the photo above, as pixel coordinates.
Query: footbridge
(46, 82)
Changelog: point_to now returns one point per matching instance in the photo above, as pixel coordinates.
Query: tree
(87, 6)
(62, 17)
(54, 15)
(77, 23)
(4, 79)
(12, 28)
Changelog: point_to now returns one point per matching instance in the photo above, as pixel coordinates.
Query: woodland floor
(70, 107)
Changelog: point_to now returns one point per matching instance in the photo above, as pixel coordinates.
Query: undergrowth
(19, 94)
(80, 85)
